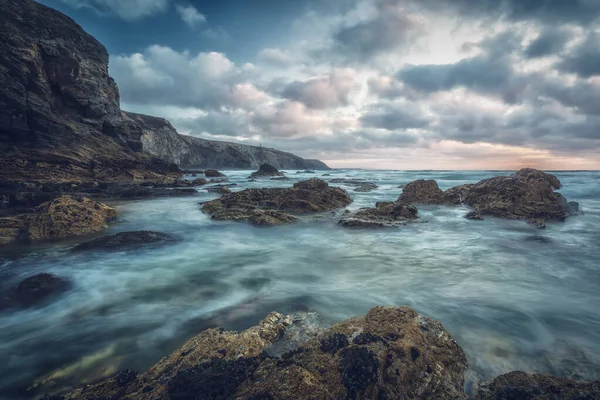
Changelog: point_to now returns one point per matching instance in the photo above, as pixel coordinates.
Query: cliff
(159, 138)
(60, 116)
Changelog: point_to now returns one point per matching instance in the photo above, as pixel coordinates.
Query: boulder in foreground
(266, 170)
(62, 217)
(311, 196)
(520, 385)
(391, 353)
(385, 214)
(125, 240)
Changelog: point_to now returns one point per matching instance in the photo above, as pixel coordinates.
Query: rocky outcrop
(385, 214)
(126, 241)
(60, 117)
(391, 353)
(422, 192)
(162, 140)
(62, 217)
(266, 171)
(527, 194)
(213, 173)
(520, 385)
(366, 187)
(311, 196)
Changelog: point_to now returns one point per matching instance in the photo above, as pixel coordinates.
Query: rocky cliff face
(59, 109)
(161, 139)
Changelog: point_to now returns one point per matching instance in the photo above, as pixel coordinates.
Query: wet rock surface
(474, 215)
(266, 170)
(65, 216)
(527, 194)
(422, 192)
(366, 187)
(522, 386)
(213, 173)
(37, 290)
(125, 240)
(385, 214)
(271, 206)
(391, 353)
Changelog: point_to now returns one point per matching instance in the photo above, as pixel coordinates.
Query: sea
(514, 297)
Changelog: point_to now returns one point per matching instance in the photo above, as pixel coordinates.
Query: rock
(349, 182)
(422, 192)
(62, 217)
(270, 218)
(326, 175)
(266, 170)
(538, 223)
(306, 171)
(135, 192)
(520, 385)
(68, 216)
(40, 288)
(60, 116)
(474, 215)
(125, 240)
(538, 238)
(573, 207)
(391, 353)
(366, 187)
(280, 178)
(313, 195)
(219, 190)
(527, 194)
(385, 214)
(213, 173)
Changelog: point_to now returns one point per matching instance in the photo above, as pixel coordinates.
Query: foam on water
(511, 299)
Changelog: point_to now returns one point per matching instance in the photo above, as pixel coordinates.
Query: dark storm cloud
(391, 28)
(581, 95)
(549, 12)
(584, 60)
(481, 74)
(394, 118)
(549, 42)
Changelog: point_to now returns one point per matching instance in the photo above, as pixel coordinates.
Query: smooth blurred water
(511, 301)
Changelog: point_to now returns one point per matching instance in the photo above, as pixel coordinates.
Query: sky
(379, 84)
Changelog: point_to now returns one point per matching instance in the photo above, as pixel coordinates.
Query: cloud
(162, 75)
(583, 60)
(287, 119)
(394, 117)
(549, 42)
(480, 74)
(391, 27)
(126, 9)
(321, 92)
(275, 57)
(550, 12)
(190, 15)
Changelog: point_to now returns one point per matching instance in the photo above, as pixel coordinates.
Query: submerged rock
(366, 187)
(125, 240)
(385, 214)
(213, 173)
(391, 353)
(474, 215)
(266, 170)
(520, 385)
(39, 288)
(422, 192)
(313, 195)
(306, 171)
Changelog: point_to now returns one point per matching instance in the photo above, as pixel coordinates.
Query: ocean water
(515, 298)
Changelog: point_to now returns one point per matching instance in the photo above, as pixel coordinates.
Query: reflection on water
(511, 301)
